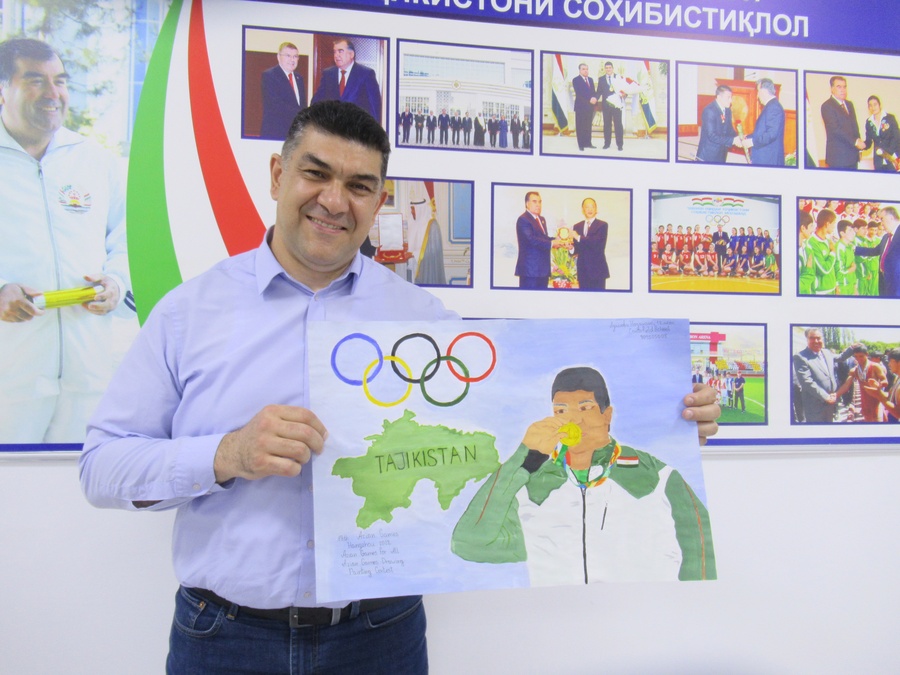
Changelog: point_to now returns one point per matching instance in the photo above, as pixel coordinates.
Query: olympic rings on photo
(428, 372)
(347, 338)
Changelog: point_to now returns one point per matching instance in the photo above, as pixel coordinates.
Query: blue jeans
(207, 640)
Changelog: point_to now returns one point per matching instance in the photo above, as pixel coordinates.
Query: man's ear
(275, 171)
(384, 196)
(607, 415)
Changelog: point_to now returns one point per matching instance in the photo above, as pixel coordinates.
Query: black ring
(425, 377)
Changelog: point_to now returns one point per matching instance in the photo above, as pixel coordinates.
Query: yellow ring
(365, 382)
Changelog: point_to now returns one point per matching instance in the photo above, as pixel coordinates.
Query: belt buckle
(294, 617)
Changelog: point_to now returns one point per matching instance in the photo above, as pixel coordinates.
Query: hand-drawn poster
(502, 453)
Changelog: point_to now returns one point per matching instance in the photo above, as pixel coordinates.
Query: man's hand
(16, 305)
(544, 434)
(278, 441)
(107, 299)
(701, 407)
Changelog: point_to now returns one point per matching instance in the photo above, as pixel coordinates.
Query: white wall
(807, 552)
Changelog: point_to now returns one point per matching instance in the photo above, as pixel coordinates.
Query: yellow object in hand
(572, 434)
(67, 297)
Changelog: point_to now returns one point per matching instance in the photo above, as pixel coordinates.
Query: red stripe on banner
(241, 227)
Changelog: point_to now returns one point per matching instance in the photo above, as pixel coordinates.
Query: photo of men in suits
(717, 133)
(568, 238)
(283, 93)
(590, 248)
(585, 106)
(842, 137)
(610, 93)
(533, 263)
(348, 80)
(816, 371)
(766, 142)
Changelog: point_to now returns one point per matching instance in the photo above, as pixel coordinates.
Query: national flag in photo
(646, 99)
(812, 152)
(561, 98)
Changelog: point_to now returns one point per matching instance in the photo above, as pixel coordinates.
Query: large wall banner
(732, 164)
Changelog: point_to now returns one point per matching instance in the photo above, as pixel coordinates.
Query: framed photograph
(843, 248)
(604, 106)
(562, 238)
(742, 115)
(286, 70)
(848, 123)
(458, 97)
(705, 242)
(845, 374)
(731, 358)
(432, 223)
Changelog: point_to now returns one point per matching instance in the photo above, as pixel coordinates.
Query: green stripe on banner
(151, 252)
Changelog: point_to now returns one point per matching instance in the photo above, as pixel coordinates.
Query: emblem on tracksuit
(73, 199)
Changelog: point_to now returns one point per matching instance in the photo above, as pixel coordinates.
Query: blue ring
(361, 336)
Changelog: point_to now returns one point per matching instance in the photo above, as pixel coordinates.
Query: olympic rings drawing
(365, 382)
(428, 372)
(346, 338)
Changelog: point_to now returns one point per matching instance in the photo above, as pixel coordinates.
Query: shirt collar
(268, 269)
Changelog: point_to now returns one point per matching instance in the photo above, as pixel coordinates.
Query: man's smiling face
(328, 192)
(36, 99)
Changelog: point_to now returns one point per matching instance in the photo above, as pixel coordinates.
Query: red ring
(483, 375)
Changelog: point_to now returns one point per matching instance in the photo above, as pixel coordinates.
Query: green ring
(437, 361)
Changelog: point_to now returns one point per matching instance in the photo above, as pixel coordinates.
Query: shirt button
(307, 594)
(196, 487)
(310, 544)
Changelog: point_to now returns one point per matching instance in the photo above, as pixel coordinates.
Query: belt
(298, 617)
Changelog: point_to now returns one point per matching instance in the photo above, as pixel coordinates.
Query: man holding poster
(210, 415)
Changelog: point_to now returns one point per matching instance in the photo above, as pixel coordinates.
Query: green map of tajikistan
(407, 452)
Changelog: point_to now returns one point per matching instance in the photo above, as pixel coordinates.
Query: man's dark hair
(350, 46)
(22, 48)
(860, 349)
(528, 195)
(582, 378)
(894, 354)
(836, 78)
(608, 63)
(843, 225)
(722, 88)
(344, 120)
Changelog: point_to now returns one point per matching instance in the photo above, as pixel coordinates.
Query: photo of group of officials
(846, 248)
(424, 231)
(464, 98)
(849, 125)
(66, 304)
(731, 358)
(596, 103)
(561, 238)
(845, 374)
(715, 243)
(284, 71)
(737, 115)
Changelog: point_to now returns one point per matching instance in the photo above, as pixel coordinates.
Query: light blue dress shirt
(212, 354)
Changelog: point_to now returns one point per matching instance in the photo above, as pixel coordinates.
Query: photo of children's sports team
(731, 358)
(714, 243)
(841, 244)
